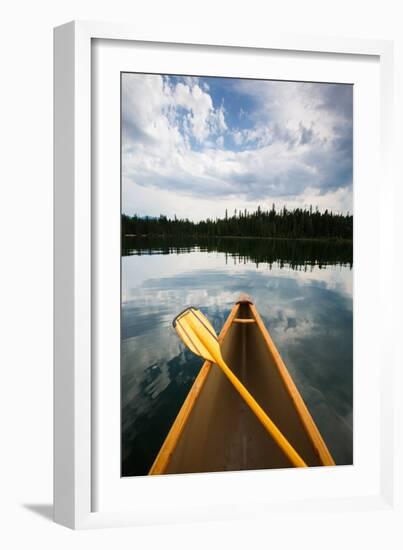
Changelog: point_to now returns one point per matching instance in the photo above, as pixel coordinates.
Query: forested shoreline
(295, 224)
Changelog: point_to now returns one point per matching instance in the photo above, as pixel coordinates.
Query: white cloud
(220, 141)
(173, 141)
(154, 201)
(199, 107)
(299, 104)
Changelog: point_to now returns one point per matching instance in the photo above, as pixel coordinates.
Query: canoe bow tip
(244, 299)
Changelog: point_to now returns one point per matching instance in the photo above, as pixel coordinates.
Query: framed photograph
(220, 225)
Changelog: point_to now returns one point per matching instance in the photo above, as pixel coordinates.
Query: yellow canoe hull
(215, 430)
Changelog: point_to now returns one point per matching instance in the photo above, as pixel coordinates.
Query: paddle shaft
(268, 424)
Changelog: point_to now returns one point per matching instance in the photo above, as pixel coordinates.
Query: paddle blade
(197, 333)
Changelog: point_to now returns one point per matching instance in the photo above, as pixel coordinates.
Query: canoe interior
(221, 433)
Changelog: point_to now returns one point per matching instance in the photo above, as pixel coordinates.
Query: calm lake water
(303, 291)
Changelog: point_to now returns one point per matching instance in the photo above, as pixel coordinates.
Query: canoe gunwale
(305, 416)
(168, 447)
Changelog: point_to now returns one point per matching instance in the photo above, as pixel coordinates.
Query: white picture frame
(77, 310)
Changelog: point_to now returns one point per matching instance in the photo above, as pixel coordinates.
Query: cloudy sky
(195, 146)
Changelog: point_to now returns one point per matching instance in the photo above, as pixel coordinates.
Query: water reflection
(307, 308)
(286, 252)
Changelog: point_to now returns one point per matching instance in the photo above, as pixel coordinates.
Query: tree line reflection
(291, 253)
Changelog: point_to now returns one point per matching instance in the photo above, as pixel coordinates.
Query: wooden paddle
(197, 333)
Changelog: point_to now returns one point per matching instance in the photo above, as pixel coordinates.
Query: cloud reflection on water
(308, 313)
